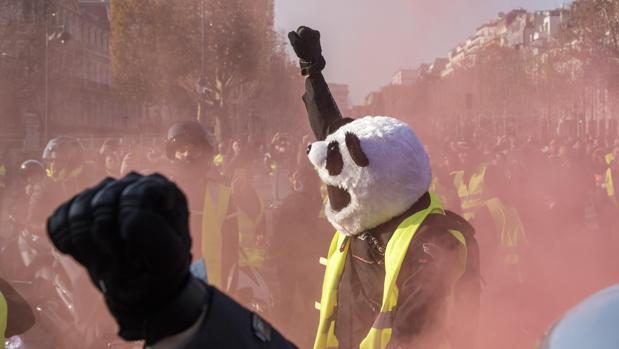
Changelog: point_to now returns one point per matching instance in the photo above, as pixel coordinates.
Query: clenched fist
(132, 236)
(306, 44)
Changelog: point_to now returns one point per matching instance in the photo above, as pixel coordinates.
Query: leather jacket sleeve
(320, 105)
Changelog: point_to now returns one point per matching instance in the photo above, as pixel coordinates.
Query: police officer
(31, 175)
(65, 173)
(132, 235)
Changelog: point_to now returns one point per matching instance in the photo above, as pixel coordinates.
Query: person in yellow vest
(219, 160)
(399, 263)
(476, 183)
(16, 316)
(222, 215)
(189, 151)
(245, 230)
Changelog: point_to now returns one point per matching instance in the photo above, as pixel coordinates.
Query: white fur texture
(397, 176)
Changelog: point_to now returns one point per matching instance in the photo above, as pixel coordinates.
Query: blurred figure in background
(31, 176)
(280, 162)
(66, 172)
(299, 240)
(110, 157)
(209, 194)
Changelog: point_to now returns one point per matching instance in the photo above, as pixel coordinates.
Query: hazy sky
(366, 41)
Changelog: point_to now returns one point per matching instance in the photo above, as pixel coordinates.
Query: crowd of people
(268, 186)
(542, 209)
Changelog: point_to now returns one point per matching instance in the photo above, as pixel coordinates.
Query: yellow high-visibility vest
(2, 175)
(506, 219)
(62, 174)
(471, 194)
(609, 184)
(512, 236)
(397, 248)
(250, 254)
(216, 202)
(218, 160)
(4, 313)
(437, 188)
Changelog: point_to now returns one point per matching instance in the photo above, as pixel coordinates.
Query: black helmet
(186, 133)
(31, 169)
(67, 151)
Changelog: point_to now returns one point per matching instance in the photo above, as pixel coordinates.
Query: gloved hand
(132, 235)
(306, 44)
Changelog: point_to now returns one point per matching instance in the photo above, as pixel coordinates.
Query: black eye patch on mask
(354, 149)
(335, 164)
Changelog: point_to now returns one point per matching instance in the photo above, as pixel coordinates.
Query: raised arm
(321, 108)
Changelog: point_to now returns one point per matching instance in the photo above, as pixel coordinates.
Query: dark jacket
(228, 325)
(424, 277)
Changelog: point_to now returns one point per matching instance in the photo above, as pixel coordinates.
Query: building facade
(60, 61)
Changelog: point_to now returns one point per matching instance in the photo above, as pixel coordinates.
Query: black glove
(132, 235)
(306, 44)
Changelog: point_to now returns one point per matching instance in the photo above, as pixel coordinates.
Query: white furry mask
(375, 168)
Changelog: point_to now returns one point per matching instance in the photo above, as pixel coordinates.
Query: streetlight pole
(46, 83)
(202, 80)
(63, 37)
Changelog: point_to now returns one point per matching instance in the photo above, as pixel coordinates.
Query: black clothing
(425, 276)
(229, 325)
(423, 279)
(321, 107)
(300, 238)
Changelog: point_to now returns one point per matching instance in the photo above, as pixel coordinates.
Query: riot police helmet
(63, 153)
(31, 170)
(187, 141)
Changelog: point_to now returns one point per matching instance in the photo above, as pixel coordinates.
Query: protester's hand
(132, 235)
(306, 44)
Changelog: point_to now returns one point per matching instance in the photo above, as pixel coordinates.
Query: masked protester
(133, 237)
(402, 271)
